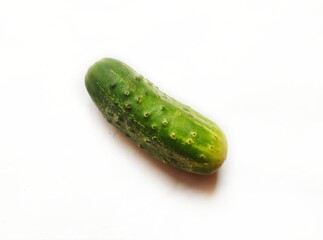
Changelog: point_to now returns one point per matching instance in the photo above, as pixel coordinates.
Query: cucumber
(167, 129)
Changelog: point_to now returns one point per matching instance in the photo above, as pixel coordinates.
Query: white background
(254, 67)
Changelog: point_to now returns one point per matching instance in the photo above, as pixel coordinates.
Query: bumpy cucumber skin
(167, 129)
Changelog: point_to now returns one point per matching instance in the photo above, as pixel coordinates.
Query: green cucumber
(167, 129)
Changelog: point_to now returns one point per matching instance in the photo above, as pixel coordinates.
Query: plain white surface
(254, 67)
